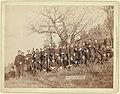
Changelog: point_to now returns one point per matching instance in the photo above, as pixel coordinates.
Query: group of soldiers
(61, 57)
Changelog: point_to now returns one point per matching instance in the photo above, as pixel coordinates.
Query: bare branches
(61, 23)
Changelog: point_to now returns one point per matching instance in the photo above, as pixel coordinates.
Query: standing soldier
(45, 59)
(90, 50)
(59, 62)
(86, 55)
(97, 58)
(29, 60)
(45, 62)
(63, 55)
(102, 53)
(59, 57)
(71, 54)
(92, 53)
(23, 62)
(34, 67)
(18, 63)
(49, 58)
(76, 52)
(80, 54)
(37, 54)
(65, 61)
(41, 59)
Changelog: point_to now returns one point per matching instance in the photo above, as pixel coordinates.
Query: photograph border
(64, 90)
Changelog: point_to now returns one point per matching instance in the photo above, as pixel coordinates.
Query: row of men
(62, 57)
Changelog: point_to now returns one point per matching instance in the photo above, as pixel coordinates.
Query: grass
(96, 76)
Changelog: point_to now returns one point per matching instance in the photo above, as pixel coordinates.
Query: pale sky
(16, 34)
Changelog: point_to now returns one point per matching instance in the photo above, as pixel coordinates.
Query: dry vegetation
(96, 76)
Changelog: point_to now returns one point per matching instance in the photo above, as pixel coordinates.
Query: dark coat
(23, 59)
(17, 60)
(37, 56)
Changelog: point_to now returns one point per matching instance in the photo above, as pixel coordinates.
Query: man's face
(22, 53)
(83, 44)
(76, 44)
(89, 41)
(95, 41)
(37, 50)
(63, 47)
(28, 51)
(55, 48)
(19, 52)
(75, 48)
(40, 49)
(72, 46)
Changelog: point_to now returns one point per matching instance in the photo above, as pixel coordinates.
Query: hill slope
(96, 76)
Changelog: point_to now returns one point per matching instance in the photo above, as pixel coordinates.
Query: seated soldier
(11, 73)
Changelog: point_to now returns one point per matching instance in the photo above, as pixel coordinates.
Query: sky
(16, 35)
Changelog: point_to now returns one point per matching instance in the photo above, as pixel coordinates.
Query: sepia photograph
(59, 45)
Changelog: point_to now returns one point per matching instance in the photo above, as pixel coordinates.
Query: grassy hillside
(96, 76)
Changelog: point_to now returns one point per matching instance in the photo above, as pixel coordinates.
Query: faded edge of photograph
(59, 46)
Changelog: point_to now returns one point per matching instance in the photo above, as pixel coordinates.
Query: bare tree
(62, 23)
(109, 22)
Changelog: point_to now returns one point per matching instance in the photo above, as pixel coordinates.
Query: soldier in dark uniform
(92, 53)
(76, 55)
(34, 67)
(50, 57)
(102, 53)
(11, 73)
(109, 52)
(90, 47)
(29, 60)
(60, 51)
(18, 63)
(65, 61)
(63, 56)
(59, 61)
(41, 59)
(46, 62)
(97, 58)
(68, 55)
(86, 54)
(23, 62)
(37, 56)
(80, 54)
(72, 54)
(58, 57)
